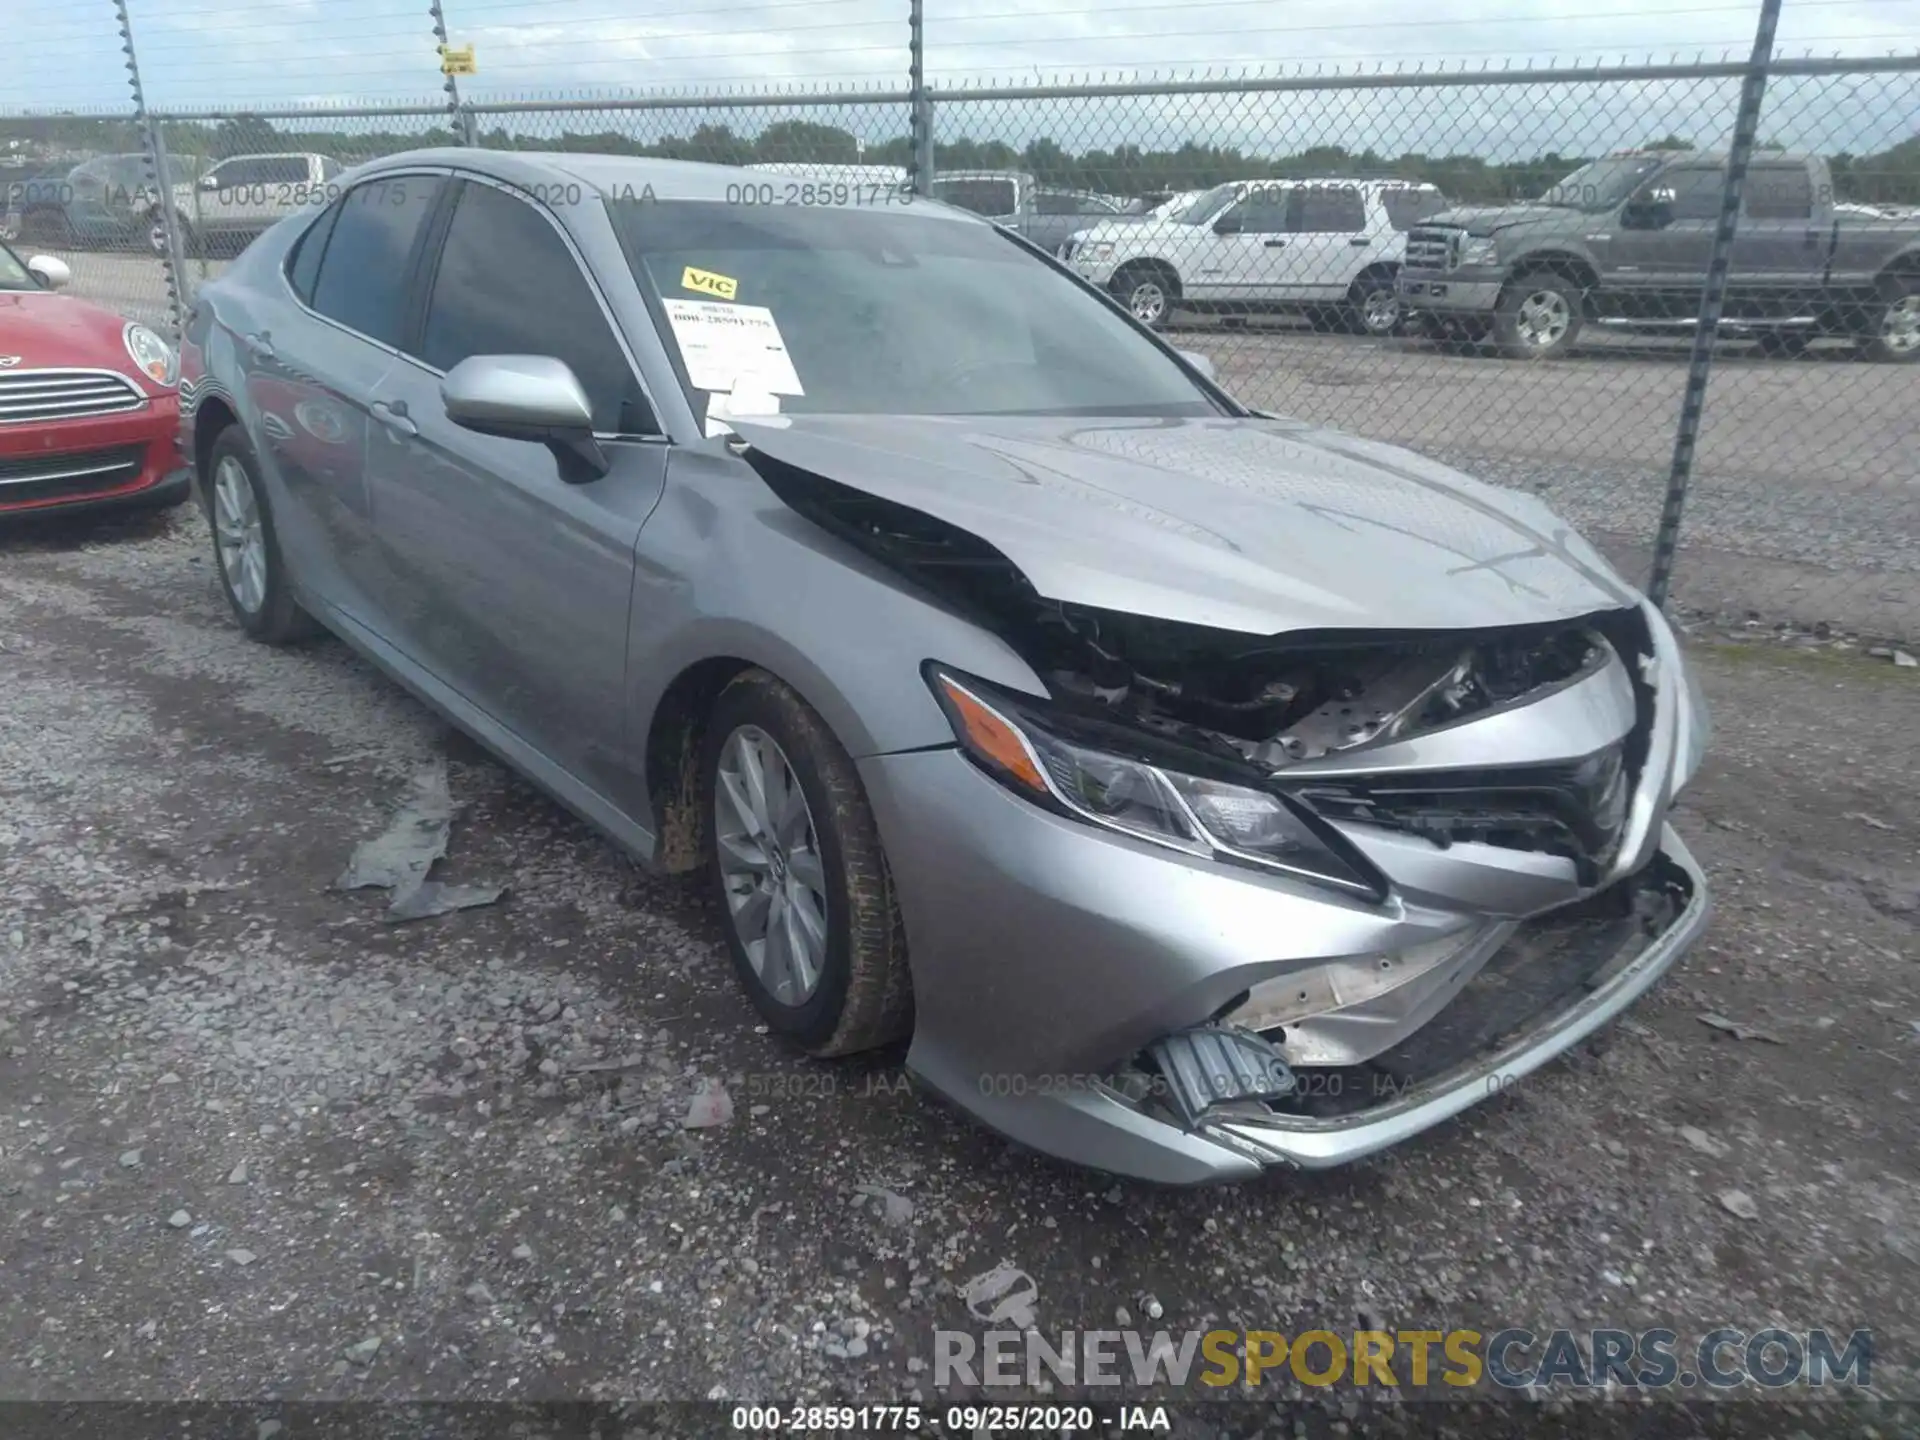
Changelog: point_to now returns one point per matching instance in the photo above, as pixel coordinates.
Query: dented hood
(1250, 525)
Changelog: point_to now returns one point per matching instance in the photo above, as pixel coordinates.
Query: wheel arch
(1157, 265)
(1567, 264)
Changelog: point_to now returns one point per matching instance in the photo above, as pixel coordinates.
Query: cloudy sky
(261, 52)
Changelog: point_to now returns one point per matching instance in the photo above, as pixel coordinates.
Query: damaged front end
(1494, 797)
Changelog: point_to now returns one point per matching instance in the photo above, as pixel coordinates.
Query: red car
(89, 404)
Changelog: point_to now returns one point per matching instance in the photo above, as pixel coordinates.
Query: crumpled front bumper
(1049, 956)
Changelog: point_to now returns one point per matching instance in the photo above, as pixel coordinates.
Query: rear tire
(246, 547)
(1895, 335)
(801, 875)
(1539, 316)
(1374, 306)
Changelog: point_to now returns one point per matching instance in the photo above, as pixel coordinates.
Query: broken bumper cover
(1045, 953)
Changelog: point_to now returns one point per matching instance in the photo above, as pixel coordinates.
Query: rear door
(1328, 243)
(1779, 251)
(503, 581)
(312, 369)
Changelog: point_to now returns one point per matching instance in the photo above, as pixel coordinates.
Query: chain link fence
(1499, 269)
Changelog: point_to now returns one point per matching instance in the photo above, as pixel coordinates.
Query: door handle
(394, 417)
(1276, 244)
(260, 346)
(1359, 242)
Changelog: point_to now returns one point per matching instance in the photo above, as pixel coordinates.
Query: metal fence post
(1746, 124)
(462, 118)
(157, 176)
(920, 106)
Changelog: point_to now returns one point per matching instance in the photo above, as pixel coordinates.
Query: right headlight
(1480, 250)
(1153, 800)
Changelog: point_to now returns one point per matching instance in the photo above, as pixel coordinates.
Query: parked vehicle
(223, 210)
(1625, 241)
(89, 413)
(1044, 214)
(869, 178)
(1251, 246)
(105, 202)
(1016, 690)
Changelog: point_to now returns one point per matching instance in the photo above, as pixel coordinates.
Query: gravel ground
(255, 1141)
(1805, 473)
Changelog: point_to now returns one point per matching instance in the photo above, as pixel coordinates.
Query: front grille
(1576, 810)
(1430, 248)
(28, 395)
(31, 478)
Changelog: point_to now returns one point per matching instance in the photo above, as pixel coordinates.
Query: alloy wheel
(239, 534)
(1543, 318)
(1148, 301)
(1380, 311)
(770, 866)
(1900, 326)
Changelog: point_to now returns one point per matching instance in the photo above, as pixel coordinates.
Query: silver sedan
(1192, 791)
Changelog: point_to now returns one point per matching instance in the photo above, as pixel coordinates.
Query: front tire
(806, 900)
(1539, 317)
(1148, 292)
(246, 548)
(1895, 336)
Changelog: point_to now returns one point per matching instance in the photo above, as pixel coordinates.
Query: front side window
(1602, 184)
(14, 274)
(287, 170)
(508, 285)
(885, 314)
(363, 274)
(1263, 212)
(1691, 193)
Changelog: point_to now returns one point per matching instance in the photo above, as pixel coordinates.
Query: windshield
(876, 312)
(1601, 185)
(1210, 204)
(14, 274)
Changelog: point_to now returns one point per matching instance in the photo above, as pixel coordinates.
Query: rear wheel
(1148, 292)
(1895, 337)
(1539, 316)
(806, 900)
(1374, 305)
(246, 548)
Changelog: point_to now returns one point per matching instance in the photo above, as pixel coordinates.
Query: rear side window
(305, 265)
(1407, 208)
(508, 285)
(1691, 194)
(982, 197)
(363, 275)
(1323, 209)
(1778, 192)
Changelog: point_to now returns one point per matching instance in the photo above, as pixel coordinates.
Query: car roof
(614, 176)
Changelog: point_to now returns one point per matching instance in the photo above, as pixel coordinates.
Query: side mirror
(1199, 362)
(527, 397)
(1649, 210)
(52, 273)
(1228, 225)
(209, 182)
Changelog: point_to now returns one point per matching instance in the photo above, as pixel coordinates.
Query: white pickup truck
(1264, 245)
(238, 198)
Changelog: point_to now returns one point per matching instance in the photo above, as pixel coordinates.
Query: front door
(1248, 260)
(504, 582)
(1659, 261)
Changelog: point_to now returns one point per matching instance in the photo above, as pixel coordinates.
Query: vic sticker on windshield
(725, 286)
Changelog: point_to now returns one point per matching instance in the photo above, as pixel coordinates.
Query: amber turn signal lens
(992, 737)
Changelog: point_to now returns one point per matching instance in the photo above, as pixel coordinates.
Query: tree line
(1891, 176)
